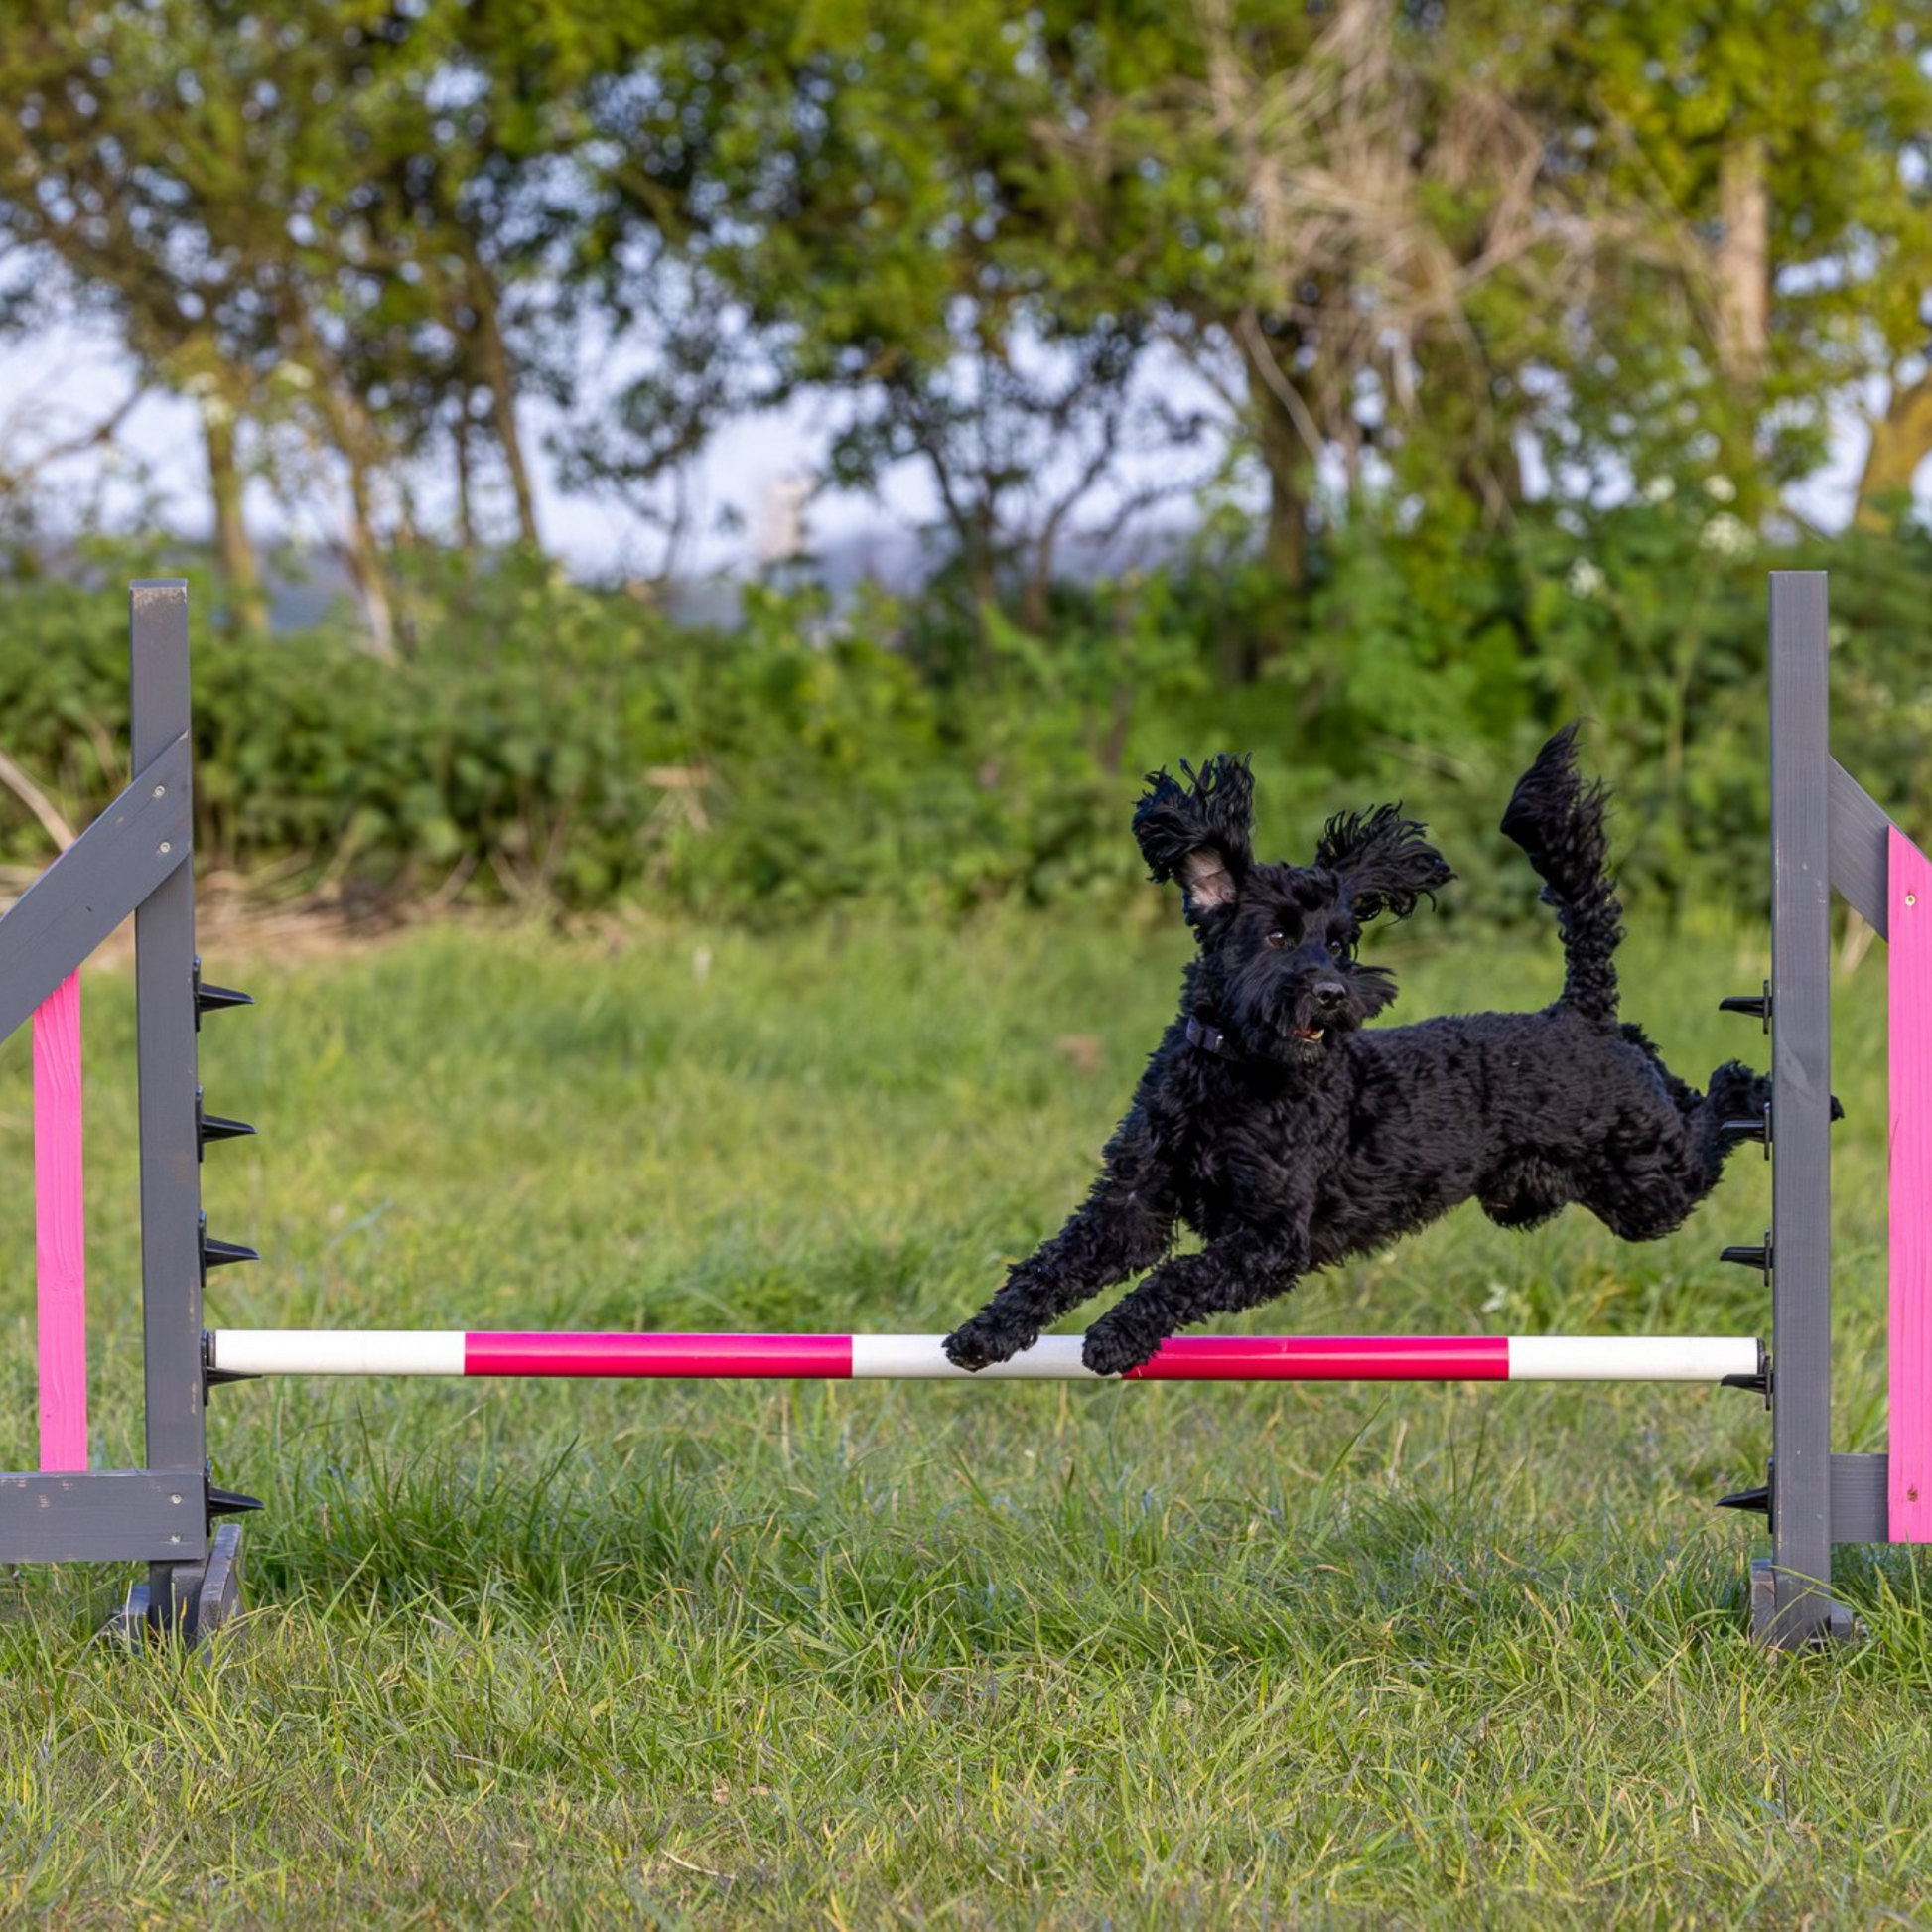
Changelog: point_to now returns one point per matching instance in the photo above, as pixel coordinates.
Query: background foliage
(567, 750)
(1368, 385)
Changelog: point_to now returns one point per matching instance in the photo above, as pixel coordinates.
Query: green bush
(569, 750)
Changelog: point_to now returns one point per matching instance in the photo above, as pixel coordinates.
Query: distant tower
(782, 524)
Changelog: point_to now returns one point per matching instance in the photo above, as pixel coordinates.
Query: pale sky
(52, 386)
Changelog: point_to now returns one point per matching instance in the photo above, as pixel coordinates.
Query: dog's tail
(1558, 820)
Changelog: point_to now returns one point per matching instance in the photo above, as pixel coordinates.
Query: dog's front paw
(983, 1340)
(1112, 1348)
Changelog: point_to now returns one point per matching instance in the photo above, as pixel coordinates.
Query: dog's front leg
(1116, 1232)
(1235, 1272)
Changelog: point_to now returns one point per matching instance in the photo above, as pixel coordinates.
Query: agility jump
(1826, 833)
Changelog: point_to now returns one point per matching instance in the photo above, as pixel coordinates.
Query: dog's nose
(1329, 993)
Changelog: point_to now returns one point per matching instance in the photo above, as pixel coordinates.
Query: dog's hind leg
(1525, 1193)
(1648, 1191)
(1116, 1232)
(1233, 1273)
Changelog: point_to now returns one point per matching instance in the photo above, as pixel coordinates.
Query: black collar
(1207, 1037)
(1211, 1040)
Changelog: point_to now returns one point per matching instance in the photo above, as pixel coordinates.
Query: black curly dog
(1287, 1138)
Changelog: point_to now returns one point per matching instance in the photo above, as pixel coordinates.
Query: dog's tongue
(1308, 1033)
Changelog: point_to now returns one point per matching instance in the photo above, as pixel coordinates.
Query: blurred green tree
(314, 222)
(1762, 171)
(1432, 262)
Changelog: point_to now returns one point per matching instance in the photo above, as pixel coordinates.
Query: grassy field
(872, 1654)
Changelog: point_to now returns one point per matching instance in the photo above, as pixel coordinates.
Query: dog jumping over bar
(1289, 1137)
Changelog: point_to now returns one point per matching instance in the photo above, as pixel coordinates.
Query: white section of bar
(1052, 1358)
(1630, 1358)
(329, 1352)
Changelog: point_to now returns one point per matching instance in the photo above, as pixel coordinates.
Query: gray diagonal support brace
(102, 876)
(1860, 849)
(104, 1516)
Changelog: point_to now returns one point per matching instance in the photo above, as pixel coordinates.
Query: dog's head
(1278, 941)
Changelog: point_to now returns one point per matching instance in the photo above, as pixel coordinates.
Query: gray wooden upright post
(1801, 1057)
(171, 1189)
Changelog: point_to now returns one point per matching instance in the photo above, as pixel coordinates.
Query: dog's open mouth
(1307, 1035)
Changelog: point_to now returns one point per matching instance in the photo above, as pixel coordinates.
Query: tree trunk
(494, 364)
(1036, 593)
(234, 555)
(1901, 439)
(979, 558)
(1290, 468)
(465, 513)
(1283, 429)
(1285, 540)
(364, 560)
(354, 435)
(1491, 476)
(1743, 260)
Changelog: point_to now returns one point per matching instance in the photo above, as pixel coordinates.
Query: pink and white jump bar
(1054, 1358)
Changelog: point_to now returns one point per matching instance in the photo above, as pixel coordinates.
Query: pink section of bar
(59, 1229)
(1910, 963)
(1184, 1358)
(1328, 1358)
(651, 1356)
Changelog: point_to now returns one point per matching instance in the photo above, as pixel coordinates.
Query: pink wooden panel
(1911, 964)
(58, 1221)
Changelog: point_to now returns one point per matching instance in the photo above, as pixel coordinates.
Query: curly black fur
(1381, 861)
(1558, 822)
(1290, 1137)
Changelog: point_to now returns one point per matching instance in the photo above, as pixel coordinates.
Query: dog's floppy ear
(1382, 860)
(1199, 833)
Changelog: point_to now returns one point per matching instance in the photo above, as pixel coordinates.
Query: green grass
(864, 1654)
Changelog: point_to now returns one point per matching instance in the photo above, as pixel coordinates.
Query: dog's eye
(1278, 939)
(1338, 948)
